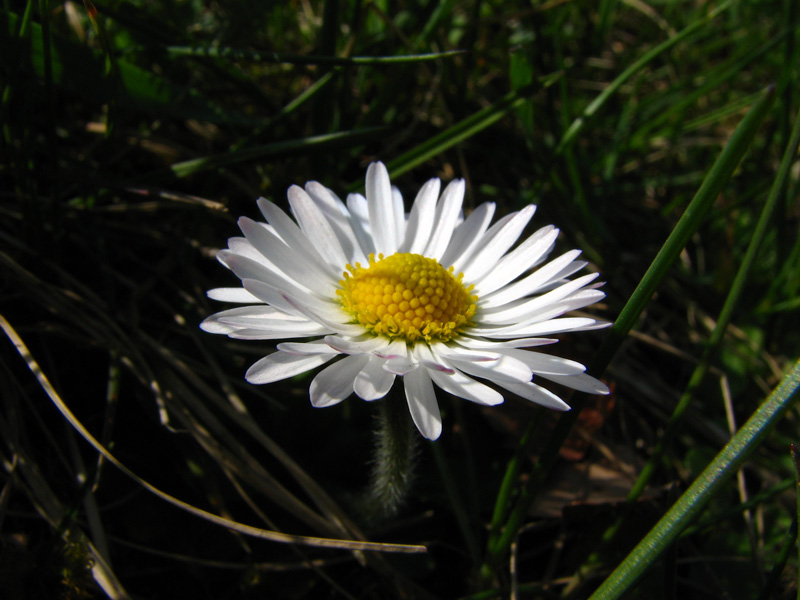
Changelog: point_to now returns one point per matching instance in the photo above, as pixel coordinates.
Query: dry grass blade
(25, 474)
(227, 523)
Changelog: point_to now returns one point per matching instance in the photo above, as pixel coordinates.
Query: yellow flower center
(407, 296)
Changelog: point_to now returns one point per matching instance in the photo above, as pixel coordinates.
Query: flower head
(429, 296)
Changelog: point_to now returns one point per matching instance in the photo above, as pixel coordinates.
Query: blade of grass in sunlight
(315, 143)
(293, 105)
(710, 349)
(106, 253)
(670, 106)
(710, 481)
(692, 218)
(596, 104)
(198, 512)
(466, 128)
(296, 59)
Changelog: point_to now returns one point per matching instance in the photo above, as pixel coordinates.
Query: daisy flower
(430, 296)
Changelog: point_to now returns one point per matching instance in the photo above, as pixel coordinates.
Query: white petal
(323, 319)
(393, 350)
(280, 365)
(481, 344)
(467, 236)
(496, 243)
(564, 273)
(306, 348)
(421, 399)
(550, 312)
(240, 246)
(215, 323)
(364, 344)
(519, 312)
(543, 328)
(381, 210)
(396, 358)
(546, 364)
(273, 294)
(507, 368)
(264, 333)
(446, 218)
(359, 221)
(399, 215)
(316, 229)
(373, 381)
(336, 213)
(535, 393)
(232, 295)
(420, 219)
(335, 382)
(461, 386)
(529, 284)
(526, 256)
(581, 382)
(458, 384)
(245, 267)
(267, 332)
(293, 236)
(292, 263)
(400, 365)
(261, 315)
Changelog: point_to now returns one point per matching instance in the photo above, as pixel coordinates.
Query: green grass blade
(456, 502)
(466, 128)
(665, 110)
(602, 98)
(308, 144)
(82, 72)
(293, 105)
(708, 483)
(689, 222)
(770, 585)
(299, 59)
(724, 319)
(691, 219)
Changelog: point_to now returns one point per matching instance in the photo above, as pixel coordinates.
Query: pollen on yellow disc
(407, 296)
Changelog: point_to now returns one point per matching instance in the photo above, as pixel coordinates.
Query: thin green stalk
(667, 108)
(689, 222)
(441, 9)
(196, 165)
(456, 502)
(22, 33)
(753, 502)
(309, 59)
(725, 317)
(705, 487)
(796, 459)
(112, 68)
(467, 128)
(602, 98)
(510, 479)
(789, 541)
(293, 105)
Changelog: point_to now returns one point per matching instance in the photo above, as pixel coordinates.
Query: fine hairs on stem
(395, 457)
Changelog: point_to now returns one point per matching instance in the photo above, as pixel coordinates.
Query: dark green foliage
(130, 143)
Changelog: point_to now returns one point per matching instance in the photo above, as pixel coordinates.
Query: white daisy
(429, 296)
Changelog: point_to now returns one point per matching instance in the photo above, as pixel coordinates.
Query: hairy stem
(395, 457)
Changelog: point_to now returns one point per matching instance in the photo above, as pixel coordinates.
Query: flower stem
(395, 457)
